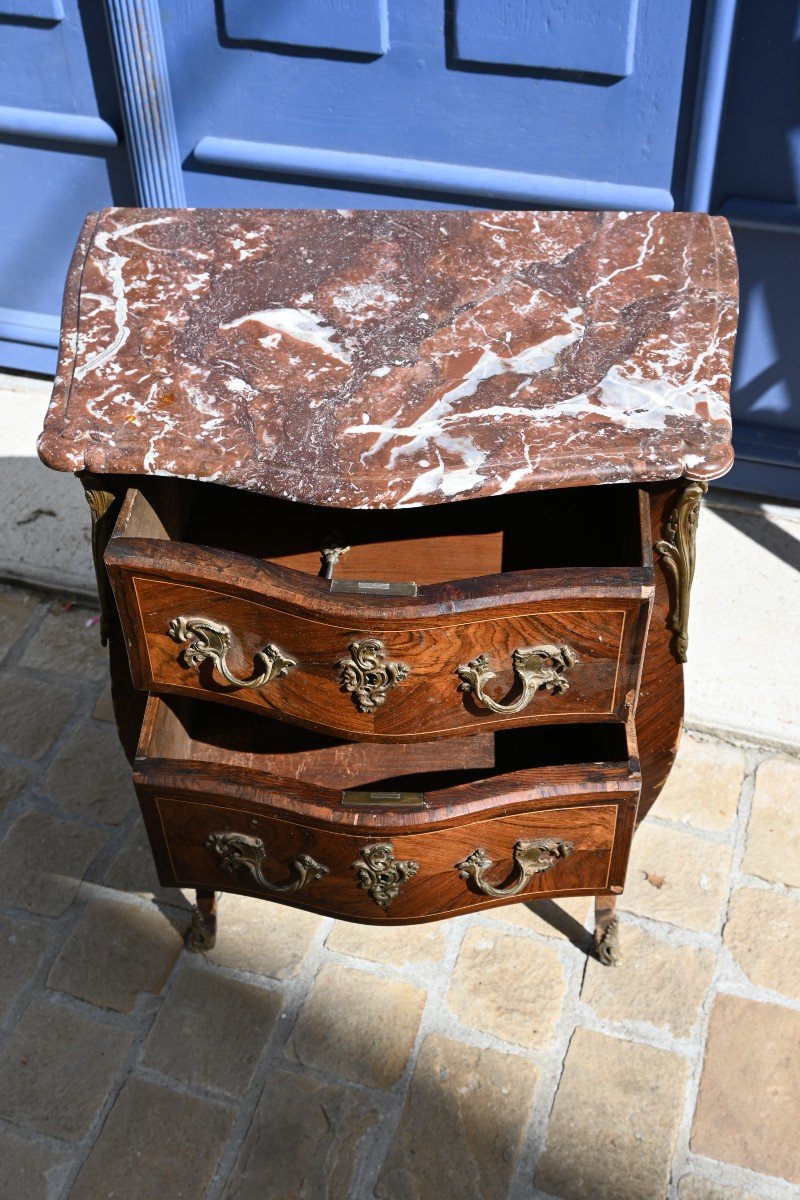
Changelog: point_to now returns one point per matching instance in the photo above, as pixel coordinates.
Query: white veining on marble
(114, 265)
(297, 323)
(430, 430)
(431, 423)
(647, 240)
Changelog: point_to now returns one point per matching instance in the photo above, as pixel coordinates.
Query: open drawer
(231, 804)
(438, 623)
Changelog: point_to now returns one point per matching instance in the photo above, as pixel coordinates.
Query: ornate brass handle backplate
(241, 851)
(535, 668)
(532, 858)
(212, 642)
(368, 674)
(381, 874)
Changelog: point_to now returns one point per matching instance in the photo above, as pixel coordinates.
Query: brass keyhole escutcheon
(381, 874)
(369, 675)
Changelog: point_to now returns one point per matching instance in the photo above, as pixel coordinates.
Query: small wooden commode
(393, 520)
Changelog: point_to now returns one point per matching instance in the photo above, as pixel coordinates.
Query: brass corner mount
(678, 551)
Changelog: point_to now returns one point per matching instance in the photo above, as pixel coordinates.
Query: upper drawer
(466, 654)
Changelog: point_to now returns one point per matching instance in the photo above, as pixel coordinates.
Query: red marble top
(385, 359)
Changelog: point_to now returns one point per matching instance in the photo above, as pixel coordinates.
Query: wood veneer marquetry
(444, 626)
(188, 793)
(437, 890)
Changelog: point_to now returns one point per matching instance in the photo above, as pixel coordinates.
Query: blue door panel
(757, 183)
(41, 10)
(418, 102)
(60, 156)
(555, 35)
(759, 148)
(229, 188)
(360, 26)
(766, 385)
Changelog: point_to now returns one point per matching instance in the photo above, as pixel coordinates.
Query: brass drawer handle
(241, 850)
(532, 858)
(212, 641)
(535, 667)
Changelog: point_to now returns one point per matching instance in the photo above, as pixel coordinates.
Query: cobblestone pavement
(481, 1059)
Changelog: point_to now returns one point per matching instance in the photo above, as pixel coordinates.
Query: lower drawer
(469, 840)
(405, 877)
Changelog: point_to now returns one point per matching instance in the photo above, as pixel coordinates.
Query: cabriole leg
(606, 931)
(203, 933)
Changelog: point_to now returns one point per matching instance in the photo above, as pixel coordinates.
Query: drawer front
(565, 850)
(435, 675)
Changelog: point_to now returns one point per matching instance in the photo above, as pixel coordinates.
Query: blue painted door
(405, 102)
(400, 103)
(60, 155)
(757, 186)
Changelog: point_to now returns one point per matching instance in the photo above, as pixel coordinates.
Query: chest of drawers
(393, 519)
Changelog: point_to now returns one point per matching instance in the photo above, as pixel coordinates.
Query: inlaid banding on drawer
(425, 696)
(434, 883)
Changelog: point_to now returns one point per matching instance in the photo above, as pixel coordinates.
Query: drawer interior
(600, 527)
(214, 735)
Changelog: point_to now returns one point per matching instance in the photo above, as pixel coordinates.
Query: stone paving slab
(748, 1103)
(116, 951)
(13, 775)
(57, 1067)
(23, 945)
(676, 877)
(663, 982)
(695, 1187)
(614, 1126)
(23, 702)
(305, 1139)
(106, 793)
(462, 1126)
(484, 1058)
(155, 1142)
(223, 1052)
(392, 945)
(704, 786)
(30, 1169)
(773, 835)
(357, 1027)
(503, 986)
(763, 934)
(43, 860)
